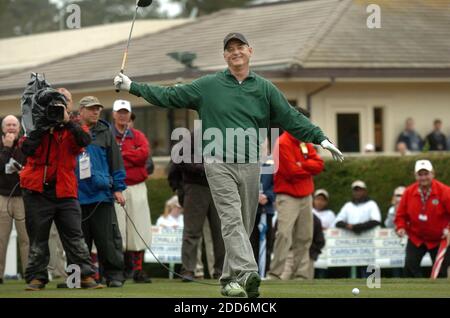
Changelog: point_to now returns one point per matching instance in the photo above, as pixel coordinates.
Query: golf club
(139, 4)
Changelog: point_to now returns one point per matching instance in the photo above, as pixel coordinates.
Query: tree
(21, 17)
(94, 12)
(208, 6)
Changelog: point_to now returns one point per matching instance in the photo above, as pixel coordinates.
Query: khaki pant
(139, 213)
(17, 210)
(235, 190)
(295, 232)
(209, 250)
(288, 271)
(199, 207)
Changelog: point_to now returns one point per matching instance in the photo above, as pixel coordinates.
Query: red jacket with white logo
(426, 229)
(62, 163)
(135, 152)
(297, 163)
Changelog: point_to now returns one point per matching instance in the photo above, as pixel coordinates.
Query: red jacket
(135, 152)
(437, 212)
(62, 163)
(291, 178)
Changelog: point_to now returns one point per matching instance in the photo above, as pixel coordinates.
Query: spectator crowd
(110, 163)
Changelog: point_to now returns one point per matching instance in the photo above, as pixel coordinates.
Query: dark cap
(89, 101)
(234, 35)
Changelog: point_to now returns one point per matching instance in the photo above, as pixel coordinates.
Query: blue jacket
(107, 170)
(267, 189)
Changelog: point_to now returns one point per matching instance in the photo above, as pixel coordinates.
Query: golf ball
(355, 291)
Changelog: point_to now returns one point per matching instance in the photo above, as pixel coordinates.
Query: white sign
(380, 247)
(166, 245)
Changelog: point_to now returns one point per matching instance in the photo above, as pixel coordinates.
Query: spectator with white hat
(424, 215)
(135, 151)
(361, 213)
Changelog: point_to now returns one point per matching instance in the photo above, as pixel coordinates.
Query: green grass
(165, 288)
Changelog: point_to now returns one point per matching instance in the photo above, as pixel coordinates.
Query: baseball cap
(234, 35)
(423, 165)
(121, 104)
(359, 184)
(322, 192)
(89, 101)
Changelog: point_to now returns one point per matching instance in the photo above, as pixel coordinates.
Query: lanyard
(424, 198)
(123, 139)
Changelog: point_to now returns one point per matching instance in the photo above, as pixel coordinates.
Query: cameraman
(50, 188)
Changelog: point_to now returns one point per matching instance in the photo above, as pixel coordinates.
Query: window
(378, 127)
(348, 132)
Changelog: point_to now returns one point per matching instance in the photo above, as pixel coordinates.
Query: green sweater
(222, 103)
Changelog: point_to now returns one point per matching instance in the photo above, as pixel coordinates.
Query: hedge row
(381, 174)
(158, 193)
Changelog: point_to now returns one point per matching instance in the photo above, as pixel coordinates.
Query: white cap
(423, 165)
(359, 184)
(121, 104)
(322, 192)
(173, 201)
(369, 148)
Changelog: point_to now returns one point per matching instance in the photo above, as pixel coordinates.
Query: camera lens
(55, 113)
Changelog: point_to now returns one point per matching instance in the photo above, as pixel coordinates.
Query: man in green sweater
(235, 99)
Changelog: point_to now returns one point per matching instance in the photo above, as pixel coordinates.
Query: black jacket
(192, 172)
(318, 241)
(9, 181)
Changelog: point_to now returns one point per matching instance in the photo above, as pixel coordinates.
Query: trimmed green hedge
(158, 192)
(381, 174)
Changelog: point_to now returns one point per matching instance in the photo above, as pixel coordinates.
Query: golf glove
(122, 82)
(337, 155)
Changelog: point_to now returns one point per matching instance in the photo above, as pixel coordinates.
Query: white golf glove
(337, 155)
(122, 82)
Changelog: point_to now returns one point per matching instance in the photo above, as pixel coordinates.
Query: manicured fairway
(165, 288)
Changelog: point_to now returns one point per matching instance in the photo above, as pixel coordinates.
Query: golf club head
(144, 3)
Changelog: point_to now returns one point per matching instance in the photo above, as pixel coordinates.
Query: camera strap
(48, 157)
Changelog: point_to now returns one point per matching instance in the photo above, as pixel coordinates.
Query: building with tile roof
(360, 83)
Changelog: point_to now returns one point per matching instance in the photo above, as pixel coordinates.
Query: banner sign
(380, 247)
